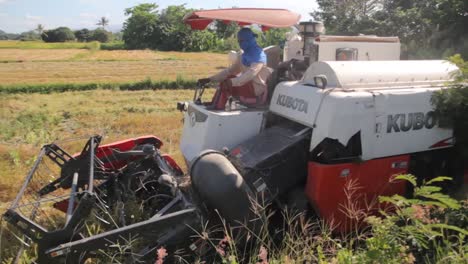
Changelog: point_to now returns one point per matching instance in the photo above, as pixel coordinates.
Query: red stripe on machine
(443, 143)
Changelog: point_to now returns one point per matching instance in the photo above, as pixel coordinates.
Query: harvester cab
(206, 128)
(342, 109)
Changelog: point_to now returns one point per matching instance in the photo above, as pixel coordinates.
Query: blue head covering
(252, 52)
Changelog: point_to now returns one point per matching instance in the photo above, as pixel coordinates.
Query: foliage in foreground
(431, 227)
(451, 105)
(427, 29)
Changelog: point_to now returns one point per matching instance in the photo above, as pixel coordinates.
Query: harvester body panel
(338, 192)
(392, 111)
(365, 50)
(215, 129)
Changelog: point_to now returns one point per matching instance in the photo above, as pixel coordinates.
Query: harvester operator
(245, 79)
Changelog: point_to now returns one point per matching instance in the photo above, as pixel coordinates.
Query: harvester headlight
(182, 106)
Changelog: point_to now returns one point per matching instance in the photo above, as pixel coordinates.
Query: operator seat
(273, 54)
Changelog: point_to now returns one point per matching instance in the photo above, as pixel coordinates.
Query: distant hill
(6, 36)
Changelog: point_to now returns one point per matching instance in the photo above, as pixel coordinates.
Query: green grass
(148, 84)
(115, 45)
(14, 44)
(71, 66)
(27, 121)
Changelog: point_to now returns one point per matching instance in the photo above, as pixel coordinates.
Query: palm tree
(39, 29)
(103, 22)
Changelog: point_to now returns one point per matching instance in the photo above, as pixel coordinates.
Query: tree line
(427, 29)
(64, 34)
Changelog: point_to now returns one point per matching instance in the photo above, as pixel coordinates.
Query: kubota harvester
(362, 116)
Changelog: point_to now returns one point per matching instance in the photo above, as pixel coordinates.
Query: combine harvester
(364, 119)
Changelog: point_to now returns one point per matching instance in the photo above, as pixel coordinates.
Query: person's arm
(248, 75)
(221, 76)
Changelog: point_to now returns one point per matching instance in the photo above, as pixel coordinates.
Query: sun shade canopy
(266, 17)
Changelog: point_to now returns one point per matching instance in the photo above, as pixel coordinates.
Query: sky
(17, 16)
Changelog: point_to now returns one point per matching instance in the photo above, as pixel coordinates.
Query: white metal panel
(339, 114)
(382, 74)
(219, 129)
(376, 48)
(297, 102)
(360, 38)
(342, 115)
(404, 124)
(367, 51)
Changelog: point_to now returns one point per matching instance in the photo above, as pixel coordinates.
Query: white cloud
(3, 14)
(4, 1)
(32, 18)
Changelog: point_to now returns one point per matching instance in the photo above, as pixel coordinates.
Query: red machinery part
(465, 176)
(173, 163)
(340, 192)
(63, 205)
(104, 152)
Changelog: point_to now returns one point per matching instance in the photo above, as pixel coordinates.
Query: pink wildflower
(161, 253)
(221, 248)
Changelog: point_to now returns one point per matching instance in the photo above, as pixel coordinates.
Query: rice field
(16, 44)
(41, 55)
(27, 121)
(102, 71)
(40, 66)
(28, 55)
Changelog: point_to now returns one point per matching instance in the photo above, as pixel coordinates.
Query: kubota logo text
(410, 121)
(293, 103)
